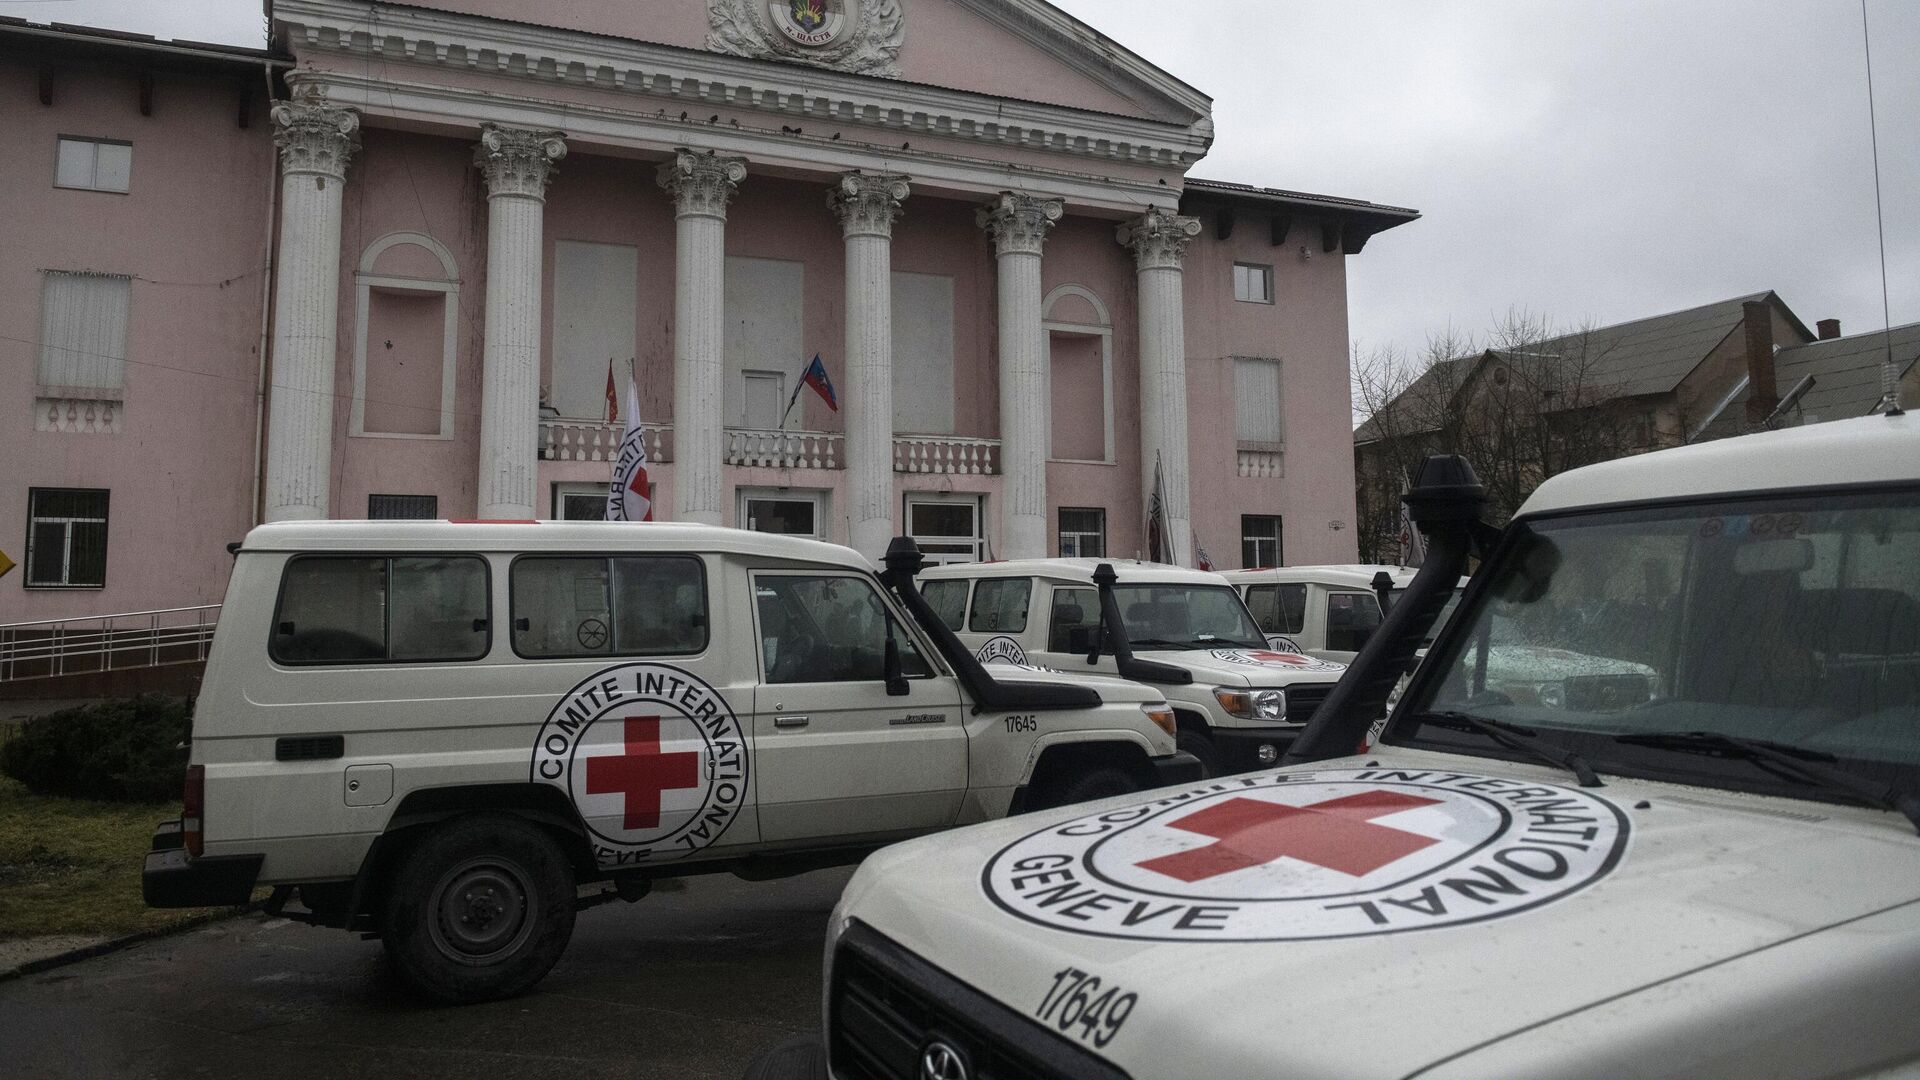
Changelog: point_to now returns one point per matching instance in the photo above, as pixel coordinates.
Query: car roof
(543, 536)
(1865, 450)
(1079, 571)
(1358, 575)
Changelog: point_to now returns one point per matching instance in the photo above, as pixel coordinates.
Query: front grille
(887, 1004)
(1304, 700)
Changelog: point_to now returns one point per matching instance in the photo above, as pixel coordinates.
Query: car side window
(1075, 613)
(828, 629)
(595, 605)
(1000, 605)
(1279, 609)
(359, 609)
(948, 598)
(1351, 620)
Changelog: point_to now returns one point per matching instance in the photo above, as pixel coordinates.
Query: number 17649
(1079, 1005)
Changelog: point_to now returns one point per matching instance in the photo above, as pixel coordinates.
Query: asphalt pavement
(695, 980)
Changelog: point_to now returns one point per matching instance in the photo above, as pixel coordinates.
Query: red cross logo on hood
(1338, 834)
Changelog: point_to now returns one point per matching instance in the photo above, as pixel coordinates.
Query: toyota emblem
(939, 1061)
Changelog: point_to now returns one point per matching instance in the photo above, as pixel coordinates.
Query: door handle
(790, 721)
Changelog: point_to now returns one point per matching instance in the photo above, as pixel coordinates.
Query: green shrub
(126, 750)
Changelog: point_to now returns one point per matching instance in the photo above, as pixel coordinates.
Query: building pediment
(1026, 50)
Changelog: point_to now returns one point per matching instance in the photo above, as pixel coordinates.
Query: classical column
(1159, 242)
(518, 164)
(315, 143)
(867, 206)
(701, 185)
(1018, 225)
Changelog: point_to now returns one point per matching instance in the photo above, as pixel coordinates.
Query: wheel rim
(483, 909)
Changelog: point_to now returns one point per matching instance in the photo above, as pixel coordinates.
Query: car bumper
(1240, 747)
(1178, 767)
(173, 879)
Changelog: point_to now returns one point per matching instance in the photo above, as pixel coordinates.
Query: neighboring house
(1525, 412)
(1848, 379)
(384, 267)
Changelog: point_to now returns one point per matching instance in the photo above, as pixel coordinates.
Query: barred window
(66, 538)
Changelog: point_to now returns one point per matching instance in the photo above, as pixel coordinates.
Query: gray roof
(1629, 359)
(1846, 373)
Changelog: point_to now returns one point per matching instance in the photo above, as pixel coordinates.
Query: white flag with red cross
(630, 496)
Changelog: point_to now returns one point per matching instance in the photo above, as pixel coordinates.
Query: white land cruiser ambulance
(1722, 880)
(436, 731)
(1185, 632)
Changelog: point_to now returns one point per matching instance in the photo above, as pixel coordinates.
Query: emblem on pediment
(858, 36)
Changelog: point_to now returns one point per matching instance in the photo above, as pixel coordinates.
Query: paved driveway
(692, 982)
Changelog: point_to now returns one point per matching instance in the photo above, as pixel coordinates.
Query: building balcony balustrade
(949, 455)
(1262, 464)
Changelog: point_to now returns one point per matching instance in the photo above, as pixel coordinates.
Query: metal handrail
(49, 648)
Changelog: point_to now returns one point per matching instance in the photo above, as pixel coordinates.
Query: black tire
(1087, 785)
(1200, 745)
(480, 908)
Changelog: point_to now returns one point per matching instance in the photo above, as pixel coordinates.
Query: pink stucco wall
(192, 232)
(993, 61)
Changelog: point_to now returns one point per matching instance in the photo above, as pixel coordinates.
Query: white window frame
(564, 488)
(821, 529)
(1104, 331)
(365, 281)
(66, 541)
(94, 146)
(1061, 533)
(928, 498)
(1278, 540)
(747, 377)
(1266, 271)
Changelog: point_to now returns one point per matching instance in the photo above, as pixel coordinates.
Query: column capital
(868, 204)
(702, 184)
(315, 137)
(1158, 238)
(1019, 223)
(518, 161)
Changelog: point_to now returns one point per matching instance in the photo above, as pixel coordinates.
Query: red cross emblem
(642, 773)
(1280, 658)
(1338, 834)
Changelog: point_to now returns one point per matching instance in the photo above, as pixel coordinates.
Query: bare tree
(1527, 402)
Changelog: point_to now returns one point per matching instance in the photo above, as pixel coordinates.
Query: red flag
(613, 399)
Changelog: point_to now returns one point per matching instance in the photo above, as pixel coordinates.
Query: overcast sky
(1581, 159)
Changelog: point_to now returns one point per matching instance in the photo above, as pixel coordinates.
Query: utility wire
(1889, 375)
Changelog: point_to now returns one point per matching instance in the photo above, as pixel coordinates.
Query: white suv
(436, 731)
(1719, 880)
(1184, 632)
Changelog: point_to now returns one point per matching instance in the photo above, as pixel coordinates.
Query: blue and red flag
(815, 376)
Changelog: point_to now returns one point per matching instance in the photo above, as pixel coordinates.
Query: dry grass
(72, 866)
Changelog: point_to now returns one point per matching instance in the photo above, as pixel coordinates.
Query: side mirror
(897, 685)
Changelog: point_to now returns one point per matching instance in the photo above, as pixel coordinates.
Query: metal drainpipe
(258, 508)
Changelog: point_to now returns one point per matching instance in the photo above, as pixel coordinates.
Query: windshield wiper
(1786, 761)
(1156, 643)
(1514, 737)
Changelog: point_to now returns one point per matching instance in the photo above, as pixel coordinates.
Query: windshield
(1446, 613)
(1791, 620)
(1186, 617)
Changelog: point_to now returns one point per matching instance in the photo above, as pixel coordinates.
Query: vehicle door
(835, 754)
(1073, 616)
(1351, 617)
(1280, 609)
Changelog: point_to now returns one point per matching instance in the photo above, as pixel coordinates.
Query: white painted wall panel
(923, 354)
(766, 305)
(595, 296)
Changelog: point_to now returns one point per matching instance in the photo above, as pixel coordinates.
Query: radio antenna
(1889, 375)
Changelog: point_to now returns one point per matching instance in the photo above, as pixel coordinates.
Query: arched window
(1080, 357)
(407, 304)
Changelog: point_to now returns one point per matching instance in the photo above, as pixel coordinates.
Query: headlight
(1161, 715)
(1252, 704)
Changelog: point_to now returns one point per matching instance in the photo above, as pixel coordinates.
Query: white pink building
(384, 267)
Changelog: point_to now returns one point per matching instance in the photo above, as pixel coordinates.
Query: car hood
(1240, 666)
(1110, 687)
(1511, 899)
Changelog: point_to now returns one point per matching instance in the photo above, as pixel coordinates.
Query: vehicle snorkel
(1445, 504)
(1113, 637)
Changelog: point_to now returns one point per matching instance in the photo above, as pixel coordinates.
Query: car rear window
(381, 609)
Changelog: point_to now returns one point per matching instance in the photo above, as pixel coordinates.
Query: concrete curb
(113, 945)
